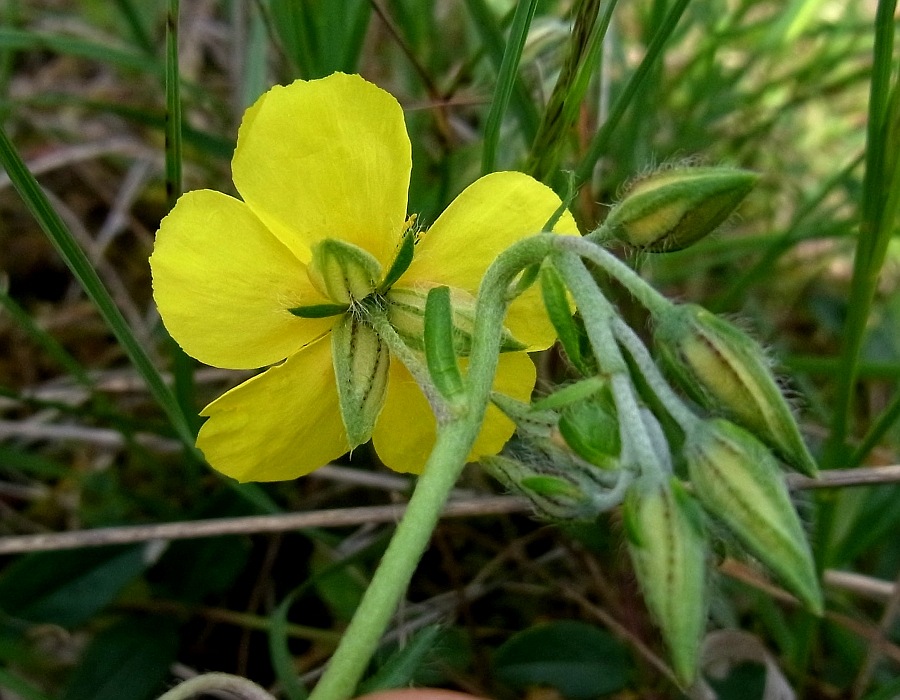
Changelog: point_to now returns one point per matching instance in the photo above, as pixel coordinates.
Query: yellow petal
(491, 214)
(224, 284)
(280, 424)
(405, 433)
(327, 158)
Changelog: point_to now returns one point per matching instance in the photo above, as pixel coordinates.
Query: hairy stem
(451, 451)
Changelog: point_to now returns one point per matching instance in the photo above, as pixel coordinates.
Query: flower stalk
(454, 442)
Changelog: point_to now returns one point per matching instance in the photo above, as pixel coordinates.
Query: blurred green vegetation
(97, 405)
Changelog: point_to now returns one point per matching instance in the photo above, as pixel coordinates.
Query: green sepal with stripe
(361, 362)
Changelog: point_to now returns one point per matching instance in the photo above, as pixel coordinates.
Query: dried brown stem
(283, 522)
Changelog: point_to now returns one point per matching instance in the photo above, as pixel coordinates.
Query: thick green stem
(451, 451)
(383, 594)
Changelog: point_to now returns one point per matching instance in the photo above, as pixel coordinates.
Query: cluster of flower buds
(625, 437)
(565, 481)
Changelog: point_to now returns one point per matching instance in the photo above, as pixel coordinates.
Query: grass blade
(506, 81)
(564, 105)
(492, 39)
(65, 243)
(878, 215)
(24, 40)
(654, 51)
(182, 365)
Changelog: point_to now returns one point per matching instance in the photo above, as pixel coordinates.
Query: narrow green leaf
(254, 78)
(50, 345)
(401, 667)
(505, 81)
(129, 660)
(600, 142)
(68, 588)
(295, 24)
(440, 354)
(279, 654)
(27, 40)
(319, 310)
(492, 38)
(65, 243)
(556, 301)
(880, 200)
(173, 107)
(135, 23)
(182, 365)
(401, 261)
(32, 463)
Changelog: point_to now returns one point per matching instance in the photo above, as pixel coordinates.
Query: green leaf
(401, 667)
(486, 24)
(26, 40)
(579, 660)
(556, 301)
(129, 661)
(319, 310)
(21, 688)
(279, 654)
(401, 261)
(440, 353)
(68, 588)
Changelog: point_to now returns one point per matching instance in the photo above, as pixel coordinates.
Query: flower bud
(406, 313)
(555, 492)
(725, 370)
(342, 271)
(361, 363)
(673, 209)
(578, 421)
(591, 429)
(736, 479)
(668, 549)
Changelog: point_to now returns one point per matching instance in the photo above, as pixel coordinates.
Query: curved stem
(210, 683)
(598, 316)
(654, 378)
(652, 300)
(454, 443)
(612, 497)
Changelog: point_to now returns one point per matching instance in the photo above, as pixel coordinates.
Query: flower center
(348, 277)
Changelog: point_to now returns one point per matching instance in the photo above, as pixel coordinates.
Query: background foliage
(804, 92)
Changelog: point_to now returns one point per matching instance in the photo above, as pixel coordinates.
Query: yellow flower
(317, 160)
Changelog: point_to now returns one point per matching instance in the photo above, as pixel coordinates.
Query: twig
(210, 683)
(325, 518)
(865, 586)
(870, 633)
(101, 537)
(841, 478)
(876, 646)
